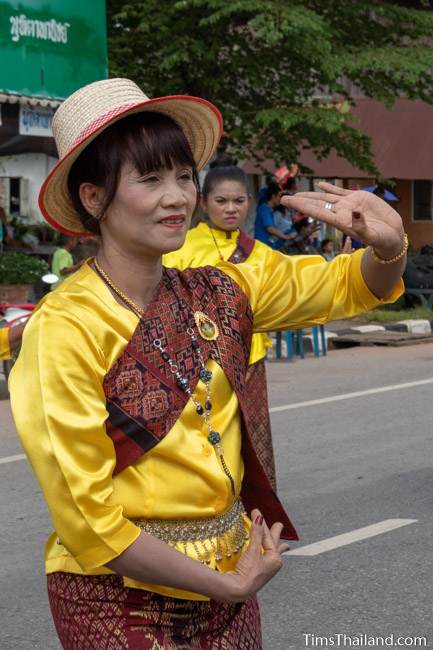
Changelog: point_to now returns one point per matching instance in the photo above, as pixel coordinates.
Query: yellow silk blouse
(205, 246)
(72, 340)
(5, 352)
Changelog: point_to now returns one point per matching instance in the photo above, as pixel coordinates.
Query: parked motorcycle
(12, 315)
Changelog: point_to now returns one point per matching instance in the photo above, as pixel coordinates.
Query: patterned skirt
(99, 613)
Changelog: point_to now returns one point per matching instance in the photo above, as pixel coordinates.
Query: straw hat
(90, 110)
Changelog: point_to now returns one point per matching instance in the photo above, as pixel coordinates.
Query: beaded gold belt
(223, 534)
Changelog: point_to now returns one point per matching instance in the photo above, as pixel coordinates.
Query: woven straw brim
(200, 121)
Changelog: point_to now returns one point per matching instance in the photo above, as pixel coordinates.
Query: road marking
(312, 402)
(332, 543)
(11, 459)
(343, 396)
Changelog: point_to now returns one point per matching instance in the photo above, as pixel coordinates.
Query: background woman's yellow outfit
(5, 352)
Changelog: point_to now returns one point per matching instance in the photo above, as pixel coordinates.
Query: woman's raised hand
(259, 563)
(359, 214)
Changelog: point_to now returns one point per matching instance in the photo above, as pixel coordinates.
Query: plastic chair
(295, 342)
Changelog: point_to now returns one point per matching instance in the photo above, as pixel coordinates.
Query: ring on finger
(328, 206)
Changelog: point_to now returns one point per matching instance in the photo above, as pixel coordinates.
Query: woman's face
(226, 205)
(150, 214)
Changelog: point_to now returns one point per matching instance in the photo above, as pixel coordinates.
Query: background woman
(224, 199)
(134, 417)
(10, 341)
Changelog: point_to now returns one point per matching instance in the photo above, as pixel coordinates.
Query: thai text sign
(35, 120)
(43, 29)
(49, 48)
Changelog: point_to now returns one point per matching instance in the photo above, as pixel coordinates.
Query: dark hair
(302, 223)
(219, 174)
(271, 190)
(223, 159)
(148, 140)
(325, 242)
(290, 183)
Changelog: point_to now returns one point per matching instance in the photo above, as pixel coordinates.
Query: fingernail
(356, 215)
(260, 520)
(257, 520)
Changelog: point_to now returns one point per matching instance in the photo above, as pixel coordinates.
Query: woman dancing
(134, 418)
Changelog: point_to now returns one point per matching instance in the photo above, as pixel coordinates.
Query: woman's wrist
(391, 254)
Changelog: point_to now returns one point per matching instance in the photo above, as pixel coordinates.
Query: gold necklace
(216, 243)
(131, 304)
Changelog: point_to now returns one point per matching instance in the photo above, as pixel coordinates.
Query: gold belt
(223, 534)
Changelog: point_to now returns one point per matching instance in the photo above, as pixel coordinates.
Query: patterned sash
(256, 393)
(144, 402)
(243, 250)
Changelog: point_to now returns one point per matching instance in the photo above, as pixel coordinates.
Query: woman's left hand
(359, 214)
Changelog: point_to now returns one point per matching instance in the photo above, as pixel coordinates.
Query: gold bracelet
(401, 254)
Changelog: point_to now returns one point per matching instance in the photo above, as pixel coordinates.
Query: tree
(279, 70)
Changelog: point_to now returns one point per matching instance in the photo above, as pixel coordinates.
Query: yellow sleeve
(292, 291)
(5, 352)
(58, 404)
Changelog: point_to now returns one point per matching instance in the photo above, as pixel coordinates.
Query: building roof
(402, 143)
(6, 98)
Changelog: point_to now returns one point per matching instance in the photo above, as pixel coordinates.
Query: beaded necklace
(205, 375)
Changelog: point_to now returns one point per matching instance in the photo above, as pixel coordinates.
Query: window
(422, 200)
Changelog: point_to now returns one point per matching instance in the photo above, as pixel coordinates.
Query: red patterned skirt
(99, 613)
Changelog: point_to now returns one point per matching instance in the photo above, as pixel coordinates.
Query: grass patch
(392, 315)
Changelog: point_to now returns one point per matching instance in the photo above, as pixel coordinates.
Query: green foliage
(21, 268)
(278, 69)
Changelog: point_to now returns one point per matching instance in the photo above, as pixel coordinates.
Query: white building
(27, 153)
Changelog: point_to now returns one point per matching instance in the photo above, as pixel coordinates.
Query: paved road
(342, 465)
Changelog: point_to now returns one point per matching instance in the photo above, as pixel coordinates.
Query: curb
(415, 326)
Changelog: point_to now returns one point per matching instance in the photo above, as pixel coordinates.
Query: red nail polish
(260, 520)
(257, 520)
(356, 215)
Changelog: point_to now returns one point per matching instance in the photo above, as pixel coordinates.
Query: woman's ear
(202, 202)
(92, 198)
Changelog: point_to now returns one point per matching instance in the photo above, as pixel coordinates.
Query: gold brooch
(207, 328)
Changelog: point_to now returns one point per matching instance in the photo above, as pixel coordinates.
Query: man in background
(63, 264)
(265, 229)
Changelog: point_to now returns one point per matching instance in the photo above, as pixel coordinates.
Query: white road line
(332, 543)
(343, 396)
(313, 402)
(11, 459)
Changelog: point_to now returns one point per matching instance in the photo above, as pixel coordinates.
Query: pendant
(208, 330)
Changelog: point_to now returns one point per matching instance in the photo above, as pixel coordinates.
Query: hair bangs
(157, 142)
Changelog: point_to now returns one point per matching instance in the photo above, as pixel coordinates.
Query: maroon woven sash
(142, 398)
(243, 250)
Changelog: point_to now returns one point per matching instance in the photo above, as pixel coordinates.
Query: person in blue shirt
(265, 229)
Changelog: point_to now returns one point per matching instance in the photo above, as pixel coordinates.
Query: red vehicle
(11, 315)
